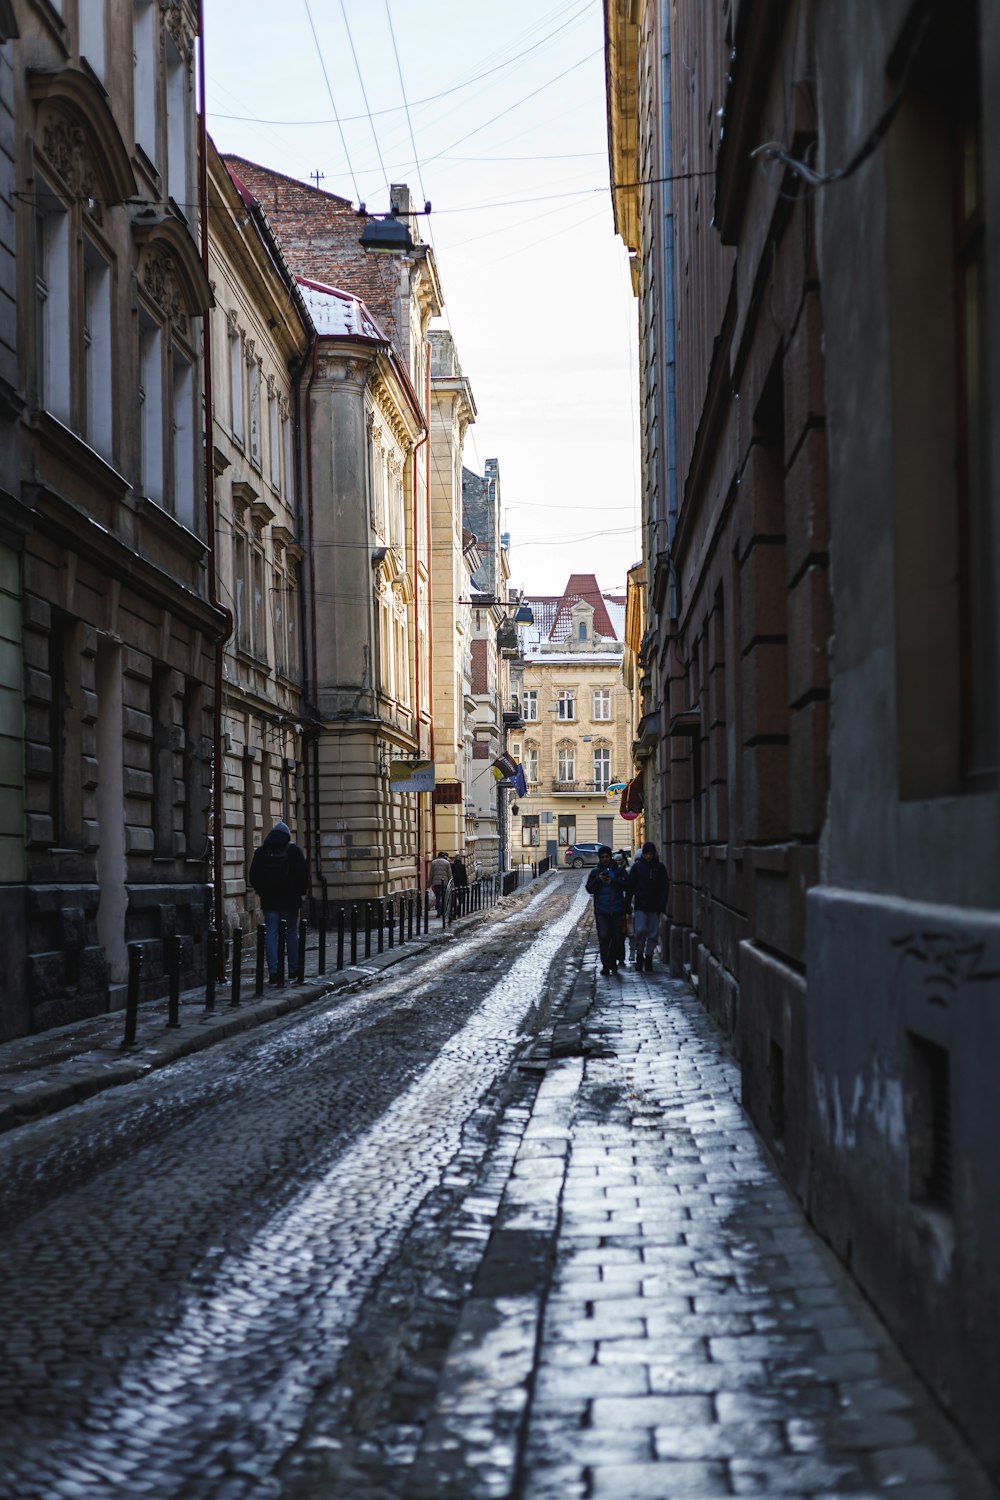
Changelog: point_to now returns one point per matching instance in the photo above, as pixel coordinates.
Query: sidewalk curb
(100, 1067)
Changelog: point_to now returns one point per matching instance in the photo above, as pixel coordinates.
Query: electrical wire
(333, 103)
(516, 105)
(402, 90)
(364, 94)
(417, 104)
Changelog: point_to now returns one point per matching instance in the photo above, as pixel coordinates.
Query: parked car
(579, 855)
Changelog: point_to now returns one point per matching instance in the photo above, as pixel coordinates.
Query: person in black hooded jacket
(278, 874)
(648, 888)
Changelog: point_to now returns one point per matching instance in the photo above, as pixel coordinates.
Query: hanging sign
(411, 775)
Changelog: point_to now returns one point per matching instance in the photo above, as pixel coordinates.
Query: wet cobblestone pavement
(411, 1244)
(695, 1338)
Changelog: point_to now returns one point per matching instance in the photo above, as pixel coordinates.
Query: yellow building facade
(575, 742)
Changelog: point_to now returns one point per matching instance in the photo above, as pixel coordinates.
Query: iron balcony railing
(559, 785)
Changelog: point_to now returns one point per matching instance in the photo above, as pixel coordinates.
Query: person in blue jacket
(606, 884)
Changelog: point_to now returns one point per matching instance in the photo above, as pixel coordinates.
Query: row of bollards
(389, 923)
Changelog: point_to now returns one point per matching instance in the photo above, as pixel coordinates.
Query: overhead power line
(396, 109)
(333, 103)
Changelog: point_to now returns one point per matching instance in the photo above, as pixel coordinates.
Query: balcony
(582, 788)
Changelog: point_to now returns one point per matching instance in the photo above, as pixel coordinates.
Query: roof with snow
(554, 612)
(338, 314)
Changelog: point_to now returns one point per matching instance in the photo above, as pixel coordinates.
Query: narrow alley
(479, 1229)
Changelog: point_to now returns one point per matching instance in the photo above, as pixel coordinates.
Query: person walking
(439, 876)
(606, 884)
(279, 876)
(460, 880)
(648, 886)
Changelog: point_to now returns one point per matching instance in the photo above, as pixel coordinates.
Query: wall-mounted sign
(411, 775)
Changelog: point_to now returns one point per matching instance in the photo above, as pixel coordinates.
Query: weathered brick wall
(319, 233)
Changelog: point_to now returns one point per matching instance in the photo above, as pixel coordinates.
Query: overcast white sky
(537, 292)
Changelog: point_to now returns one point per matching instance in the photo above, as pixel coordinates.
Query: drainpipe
(314, 843)
(430, 579)
(218, 852)
(416, 625)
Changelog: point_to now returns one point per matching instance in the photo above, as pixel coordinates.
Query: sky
(506, 136)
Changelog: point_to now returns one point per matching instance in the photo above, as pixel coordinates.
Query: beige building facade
(453, 410)
(261, 332)
(576, 738)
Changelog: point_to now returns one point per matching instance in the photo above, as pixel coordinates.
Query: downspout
(416, 623)
(430, 578)
(218, 852)
(315, 844)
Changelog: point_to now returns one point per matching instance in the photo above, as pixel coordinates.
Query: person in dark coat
(459, 874)
(606, 884)
(648, 886)
(278, 874)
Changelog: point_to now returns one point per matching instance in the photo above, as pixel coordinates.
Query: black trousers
(609, 928)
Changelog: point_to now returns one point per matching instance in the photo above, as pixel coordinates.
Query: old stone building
(453, 409)
(262, 335)
(119, 628)
(819, 340)
(368, 565)
(493, 649)
(576, 738)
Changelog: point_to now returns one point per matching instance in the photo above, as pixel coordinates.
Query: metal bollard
(402, 921)
(301, 974)
(340, 939)
(261, 935)
(354, 935)
(174, 1000)
(211, 955)
(381, 925)
(321, 956)
(392, 925)
(427, 911)
(132, 993)
(409, 919)
(234, 993)
(282, 949)
(368, 929)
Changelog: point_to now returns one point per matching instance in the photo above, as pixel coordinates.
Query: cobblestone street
(410, 1244)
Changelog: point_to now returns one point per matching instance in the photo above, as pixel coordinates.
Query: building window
(288, 489)
(530, 833)
(183, 447)
(52, 313)
(259, 596)
(241, 590)
(95, 404)
(566, 763)
(144, 75)
(236, 384)
(255, 413)
(274, 439)
(92, 35)
(602, 769)
(583, 630)
(177, 127)
(531, 706)
(151, 407)
(567, 830)
(566, 704)
(602, 703)
(250, 593)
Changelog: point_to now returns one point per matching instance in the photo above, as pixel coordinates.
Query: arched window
(583, 630)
